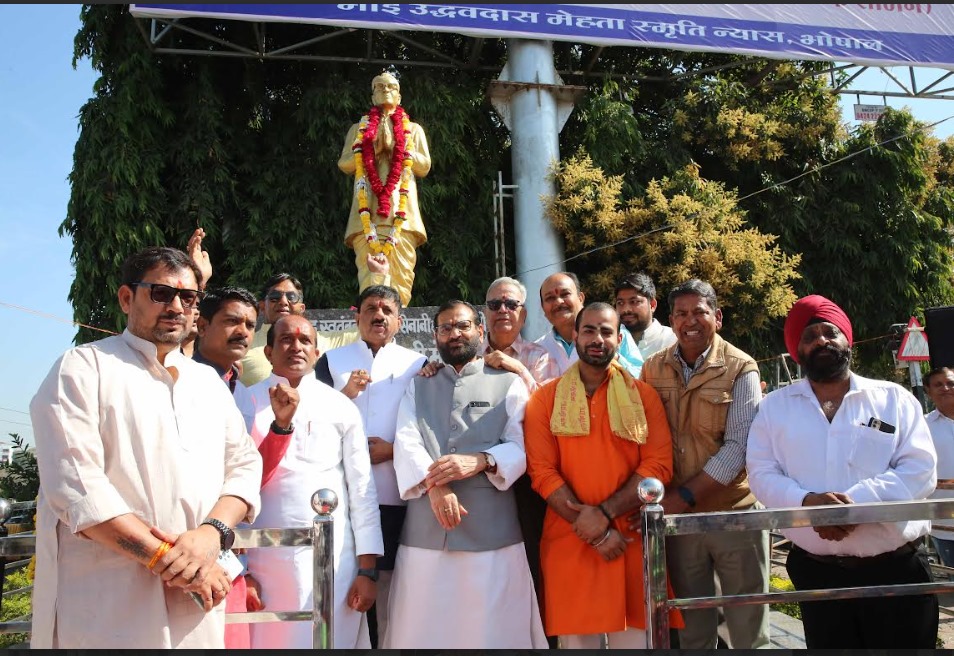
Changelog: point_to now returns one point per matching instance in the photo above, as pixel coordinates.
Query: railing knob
(651, 490)
(324, 501)
(6, 509)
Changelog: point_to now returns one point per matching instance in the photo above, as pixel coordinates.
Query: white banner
(879, 35)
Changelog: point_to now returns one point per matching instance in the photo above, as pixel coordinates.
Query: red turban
(808, 308)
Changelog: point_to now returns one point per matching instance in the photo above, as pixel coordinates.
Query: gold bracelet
(160, 552)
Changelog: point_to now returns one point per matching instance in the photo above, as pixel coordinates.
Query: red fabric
(808, 308)
(273, 449)
(237, 635)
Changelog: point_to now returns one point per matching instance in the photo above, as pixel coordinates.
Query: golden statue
(386, 152)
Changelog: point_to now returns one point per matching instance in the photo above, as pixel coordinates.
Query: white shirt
(655, 338)
(557, 352)
(942, 432)
(391, 370)
(116, 435)
(411, 458)
(793, 450)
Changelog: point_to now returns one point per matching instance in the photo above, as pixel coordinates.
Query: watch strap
(226, 534)
(278, 430)
(369, 572)
(687, 496)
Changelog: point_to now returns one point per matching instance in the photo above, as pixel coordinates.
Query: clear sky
(42, 95)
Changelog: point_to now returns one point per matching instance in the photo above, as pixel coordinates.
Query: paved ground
(787, 632)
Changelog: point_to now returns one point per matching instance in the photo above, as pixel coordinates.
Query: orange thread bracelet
(160, 552)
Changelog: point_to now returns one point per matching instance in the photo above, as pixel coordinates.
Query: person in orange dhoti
(591, 436)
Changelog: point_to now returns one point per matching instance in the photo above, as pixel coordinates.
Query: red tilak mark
(298, 331)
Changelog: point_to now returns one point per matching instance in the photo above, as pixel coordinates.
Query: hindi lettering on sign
(524, 16)
(599, 23)
(828, 40)
(748, 35)
(670, 30)
(560, 18)
(394, 10)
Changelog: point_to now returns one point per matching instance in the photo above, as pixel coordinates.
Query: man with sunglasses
(503, 347)
(146, 467)
(282, 295)
(461, 579)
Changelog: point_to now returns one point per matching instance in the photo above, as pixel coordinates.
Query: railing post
(323, 502)
(651, 492)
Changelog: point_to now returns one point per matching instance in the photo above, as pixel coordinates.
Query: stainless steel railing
(656, 526)
(320, 536)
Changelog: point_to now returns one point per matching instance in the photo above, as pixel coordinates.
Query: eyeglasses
(276, 295)
(164, 294)
(495, 303)
(448, 328)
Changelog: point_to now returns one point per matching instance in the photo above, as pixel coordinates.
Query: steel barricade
(320, 536)
(656, 526)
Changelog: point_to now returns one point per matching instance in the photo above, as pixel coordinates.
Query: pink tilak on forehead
(298, 331)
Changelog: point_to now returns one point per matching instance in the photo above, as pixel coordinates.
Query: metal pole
(323, 502)
(651, 492)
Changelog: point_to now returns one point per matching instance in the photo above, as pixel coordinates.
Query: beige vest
(697, 414)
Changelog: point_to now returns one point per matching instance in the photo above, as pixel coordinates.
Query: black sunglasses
(165, 294)
(276, 295)
(495, 303)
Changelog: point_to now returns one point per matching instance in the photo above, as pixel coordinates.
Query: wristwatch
(490, 461)
(226, 535)
(370, 572)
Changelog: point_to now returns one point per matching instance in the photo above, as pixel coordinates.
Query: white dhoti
(463, 600)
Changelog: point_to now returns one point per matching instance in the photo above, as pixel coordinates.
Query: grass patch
(790, 608)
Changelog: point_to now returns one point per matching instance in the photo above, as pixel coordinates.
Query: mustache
(242, 341)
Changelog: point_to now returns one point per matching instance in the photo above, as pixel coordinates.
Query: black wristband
(605, 512)
(687, 496)
(278, 430)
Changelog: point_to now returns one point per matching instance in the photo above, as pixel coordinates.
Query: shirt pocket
(870, 451)
(318, 445)
(714, 409)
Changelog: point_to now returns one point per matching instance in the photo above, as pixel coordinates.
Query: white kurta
(115, 435)
(457, 599)
(391, 370)
(328, 450)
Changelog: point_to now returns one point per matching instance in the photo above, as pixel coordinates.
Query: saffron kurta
(116, 435)
(583, 593)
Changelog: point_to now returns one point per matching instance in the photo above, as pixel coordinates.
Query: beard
(634, 324)
(602, 360)
(458, 352)
(826, 363)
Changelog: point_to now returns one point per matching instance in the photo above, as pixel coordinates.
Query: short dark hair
(568, 274)
(270, 335)
(639, 283)
(215, 298)
(935, 372)
(449, 305)
(696, 287)
(379, 291)
(279, 278)
(596, 306)
(139, 264)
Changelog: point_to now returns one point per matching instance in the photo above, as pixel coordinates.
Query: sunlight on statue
(386, 153)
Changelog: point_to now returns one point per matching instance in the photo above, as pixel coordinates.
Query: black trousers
(908, 622)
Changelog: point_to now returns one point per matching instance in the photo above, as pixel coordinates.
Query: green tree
(20, 478)
(690, 228)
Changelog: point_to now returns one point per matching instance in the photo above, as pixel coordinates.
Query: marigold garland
(366, 174)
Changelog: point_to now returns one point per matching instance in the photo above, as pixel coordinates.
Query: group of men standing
(486, 501)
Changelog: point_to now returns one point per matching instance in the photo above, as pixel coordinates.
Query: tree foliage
(683, 227)
(248, 150)
(20, 478)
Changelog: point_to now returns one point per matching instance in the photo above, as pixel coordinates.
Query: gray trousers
(740, 560)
